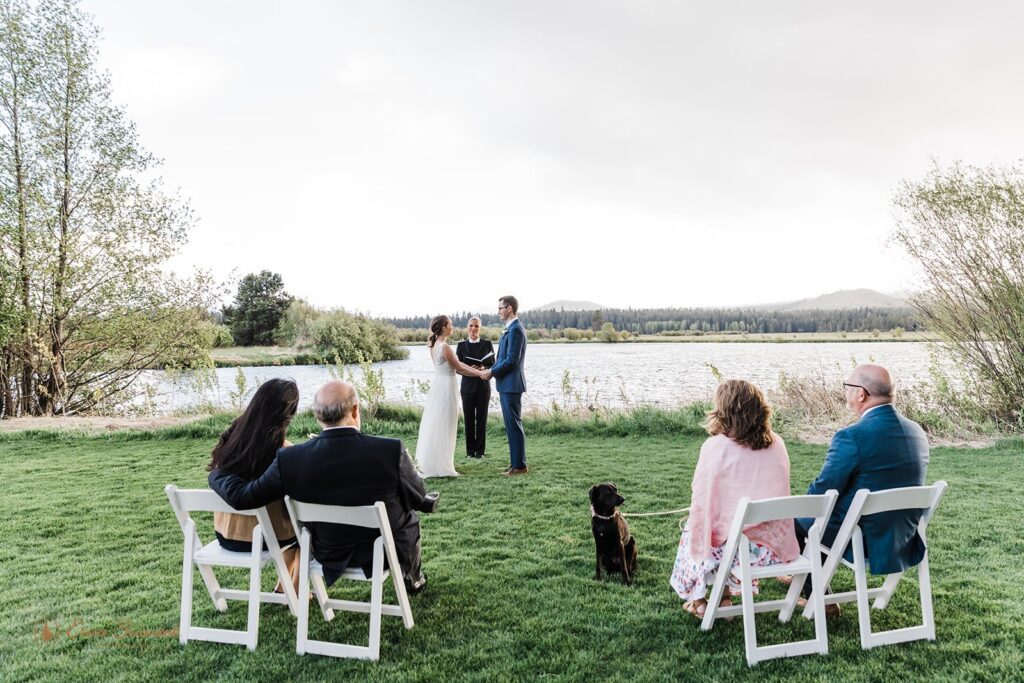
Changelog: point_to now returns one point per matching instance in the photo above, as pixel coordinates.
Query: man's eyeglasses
(502, 308)
(857, 386)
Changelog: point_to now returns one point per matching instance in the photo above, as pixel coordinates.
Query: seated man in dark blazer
(342, 466)
(882, 450)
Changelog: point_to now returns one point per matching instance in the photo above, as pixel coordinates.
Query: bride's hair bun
(437, 326)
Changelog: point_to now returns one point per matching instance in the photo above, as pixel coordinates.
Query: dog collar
(593, 513)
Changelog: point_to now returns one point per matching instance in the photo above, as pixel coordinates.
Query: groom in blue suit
(511, 383)
(883, 450)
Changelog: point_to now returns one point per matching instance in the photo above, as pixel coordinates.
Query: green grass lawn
(91, 558)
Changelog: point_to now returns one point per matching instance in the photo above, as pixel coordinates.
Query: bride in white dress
(435, 447)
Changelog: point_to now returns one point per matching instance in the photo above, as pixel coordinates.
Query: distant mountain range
(844, 298)
(567, 305)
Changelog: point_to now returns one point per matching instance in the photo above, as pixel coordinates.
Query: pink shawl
(727, 471)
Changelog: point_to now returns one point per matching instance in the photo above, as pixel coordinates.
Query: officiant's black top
(467, 350)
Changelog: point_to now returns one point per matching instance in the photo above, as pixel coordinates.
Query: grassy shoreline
(511, 594)
(250, 356)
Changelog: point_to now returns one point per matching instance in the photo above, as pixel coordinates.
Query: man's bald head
(334, 404)
(875, 379)
(867, 387)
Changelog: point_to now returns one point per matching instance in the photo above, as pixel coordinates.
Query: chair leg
(320, 591)
(860, 577)
(254, 590)
(208, 577)
(747, 591)
(818, 595)
(786, 613)
(186, 589)
(376, 597)
(718, 587)
(888, 588)
(302, 626)
(925, 581)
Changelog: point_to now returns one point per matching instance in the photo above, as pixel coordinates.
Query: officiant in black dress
(476, 393)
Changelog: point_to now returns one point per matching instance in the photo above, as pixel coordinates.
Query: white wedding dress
(435, 447)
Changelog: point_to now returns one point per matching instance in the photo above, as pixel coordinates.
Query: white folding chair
(370, 516)
(924, 498)
(749, 513)
(204, 557)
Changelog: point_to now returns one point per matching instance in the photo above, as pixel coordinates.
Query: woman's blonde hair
(742, 414)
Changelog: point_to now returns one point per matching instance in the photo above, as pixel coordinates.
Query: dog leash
(653, 514)
(593, 513)
(682, 520)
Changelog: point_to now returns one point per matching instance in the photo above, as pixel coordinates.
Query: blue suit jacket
(508, 368)
(884, 450)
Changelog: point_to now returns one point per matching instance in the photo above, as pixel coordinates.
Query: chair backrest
(867, 502)
(370, 516)
(786, 507)
(184, 501)
(906, 498)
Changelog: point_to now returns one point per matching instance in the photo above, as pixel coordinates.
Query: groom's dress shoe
(517, 470)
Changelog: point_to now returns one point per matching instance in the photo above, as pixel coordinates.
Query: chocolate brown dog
(614, 545)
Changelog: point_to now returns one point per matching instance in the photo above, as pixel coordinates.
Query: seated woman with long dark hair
(743, 458)
(246, 448)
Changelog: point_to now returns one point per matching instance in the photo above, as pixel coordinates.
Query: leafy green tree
(608, 333)
(349, 339)
(964, 225)
(87, 228)
(296, 324)
(258, 309)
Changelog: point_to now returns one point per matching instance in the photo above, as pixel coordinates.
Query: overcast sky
(426, 157)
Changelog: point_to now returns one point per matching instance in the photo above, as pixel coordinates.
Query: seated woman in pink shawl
(743, 458)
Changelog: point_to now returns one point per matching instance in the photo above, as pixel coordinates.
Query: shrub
(355, 339)
(965, 227)
(215, 336)
(296, 326)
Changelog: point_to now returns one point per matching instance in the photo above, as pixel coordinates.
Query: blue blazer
(884, 450)
(508, 368)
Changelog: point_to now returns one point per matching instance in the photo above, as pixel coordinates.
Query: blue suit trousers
(512, 413)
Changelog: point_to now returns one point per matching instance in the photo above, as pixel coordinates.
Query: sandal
(696, 607)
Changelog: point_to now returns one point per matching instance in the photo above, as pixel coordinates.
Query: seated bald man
(882, 450)
(343, 466)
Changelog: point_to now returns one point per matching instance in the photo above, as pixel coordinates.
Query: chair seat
(351, 573)
(213, 553)
(801, 565)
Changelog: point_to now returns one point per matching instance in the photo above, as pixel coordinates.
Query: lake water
(617, 375)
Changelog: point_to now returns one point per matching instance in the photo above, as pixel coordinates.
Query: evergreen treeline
(661, 320)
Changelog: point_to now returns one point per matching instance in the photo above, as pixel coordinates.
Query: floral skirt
(689, 577)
